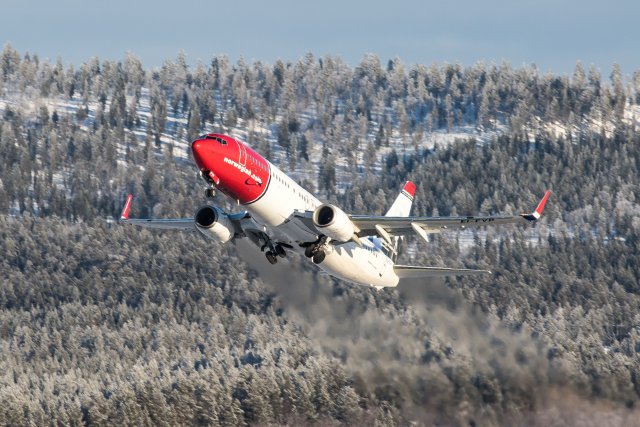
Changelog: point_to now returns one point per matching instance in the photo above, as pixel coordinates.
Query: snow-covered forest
(102, 324)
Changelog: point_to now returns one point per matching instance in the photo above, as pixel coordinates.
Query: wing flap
(401, 226)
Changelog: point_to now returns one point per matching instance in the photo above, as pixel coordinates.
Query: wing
(388, 227)
(187, 224)
(243, 224)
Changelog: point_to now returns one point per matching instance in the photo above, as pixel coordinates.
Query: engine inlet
(206, 216)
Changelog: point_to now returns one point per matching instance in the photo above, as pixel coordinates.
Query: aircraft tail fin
(401, 207)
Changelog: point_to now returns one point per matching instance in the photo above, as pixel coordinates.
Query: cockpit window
(220, 140)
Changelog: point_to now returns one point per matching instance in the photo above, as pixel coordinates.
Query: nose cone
(201, 152)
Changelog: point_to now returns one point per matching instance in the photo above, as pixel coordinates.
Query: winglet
(543, 202)
(127, 207)
(538, 212)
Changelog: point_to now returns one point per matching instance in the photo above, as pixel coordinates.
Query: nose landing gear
(212, 180)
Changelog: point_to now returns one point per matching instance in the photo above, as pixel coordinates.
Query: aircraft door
(243, 154)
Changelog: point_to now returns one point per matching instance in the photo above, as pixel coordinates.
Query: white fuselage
(275, 211)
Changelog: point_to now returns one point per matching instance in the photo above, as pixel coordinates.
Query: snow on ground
(175, 133)
(593, 123)
(30, 104)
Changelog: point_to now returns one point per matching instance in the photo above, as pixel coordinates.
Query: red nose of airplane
(231, 166)
(200, 150)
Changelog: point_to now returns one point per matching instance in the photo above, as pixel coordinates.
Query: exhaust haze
(421, 345)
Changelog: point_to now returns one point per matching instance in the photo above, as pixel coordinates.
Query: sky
(552, 34)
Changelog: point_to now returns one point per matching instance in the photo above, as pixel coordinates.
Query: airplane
(282, 218)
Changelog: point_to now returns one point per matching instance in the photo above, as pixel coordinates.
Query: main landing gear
(276, 251)
(271, 257)
(210, 193)
(315, 250)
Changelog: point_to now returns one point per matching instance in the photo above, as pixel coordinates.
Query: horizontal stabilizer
(414, 272)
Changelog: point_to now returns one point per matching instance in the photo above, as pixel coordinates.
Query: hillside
(101, 324)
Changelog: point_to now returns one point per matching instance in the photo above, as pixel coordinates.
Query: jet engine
(214, 224)
(333, 222)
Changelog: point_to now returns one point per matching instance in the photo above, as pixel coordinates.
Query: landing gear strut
(280, 251)
(208, 177)
(310, 250)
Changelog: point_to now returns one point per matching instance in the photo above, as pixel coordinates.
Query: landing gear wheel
(309, 251)
(319, 257)
(271, 257)
(280, 251)
(209, 193)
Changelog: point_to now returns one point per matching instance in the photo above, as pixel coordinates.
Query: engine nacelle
(333, 222)
(214, 224)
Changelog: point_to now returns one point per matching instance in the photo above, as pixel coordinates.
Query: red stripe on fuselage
(243, 174)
